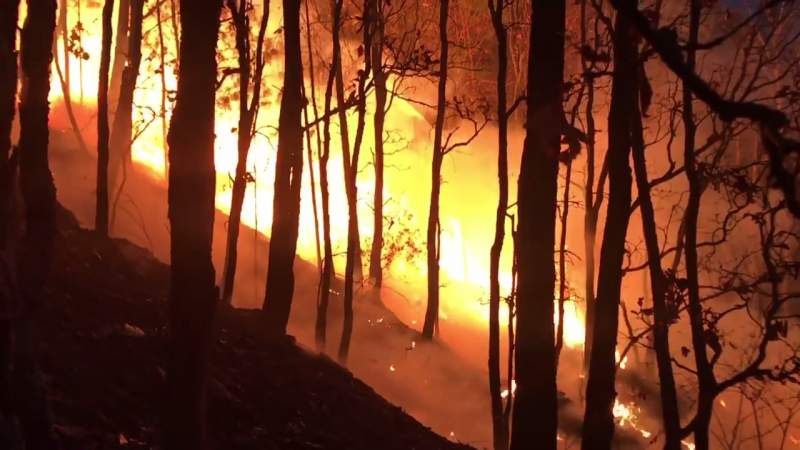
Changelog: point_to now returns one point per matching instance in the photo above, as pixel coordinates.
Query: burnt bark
(192, 185)
(353, 261)
(248, 112)
(535, 418)
(433, 231)
(379, 80)
(499, 423)
(288, 177)
(39, 197)
(101, 204)
(598, 425)
(9, 13)
(120, 51)
(122, 127)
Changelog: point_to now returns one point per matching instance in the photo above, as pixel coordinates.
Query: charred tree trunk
(328, 271)
(499, 423)
(9, 13)
(379, 77)
(353, 262)
(535, 418)
(288, 177)
(669, 397)
(39, 196)
(192, 185)
(705, 373)
(433, 232)
(598, 425)
(122, 128)
(248, 112)
(120, 52)
(101, 210)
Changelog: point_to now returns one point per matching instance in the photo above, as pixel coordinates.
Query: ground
(103, 336)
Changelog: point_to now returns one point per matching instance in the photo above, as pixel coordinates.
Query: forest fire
(589, 207)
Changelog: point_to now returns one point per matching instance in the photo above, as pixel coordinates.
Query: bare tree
(101, 211)
(288, 180)
(192, 185)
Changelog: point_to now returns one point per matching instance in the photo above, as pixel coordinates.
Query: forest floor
(103, 354)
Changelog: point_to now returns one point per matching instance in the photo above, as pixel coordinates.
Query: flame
(464, 249)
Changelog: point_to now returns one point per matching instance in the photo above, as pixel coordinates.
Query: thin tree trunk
(192, 187)
(669, 397)
(535, 418)
(562, 261)
(39, 196)
(379, 77)
(101, 211)
(9, 13)
(353, 261)
(163, 76)
(705, 373)
(122, 127)
(288, 180)
(248, 112)
(598, 425)
(328, 271)
(433, 231)
(120, 53)
(499, 423)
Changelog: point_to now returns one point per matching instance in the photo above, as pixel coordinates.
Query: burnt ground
(103, 336)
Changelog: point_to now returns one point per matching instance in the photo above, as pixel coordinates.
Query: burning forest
(399, 224)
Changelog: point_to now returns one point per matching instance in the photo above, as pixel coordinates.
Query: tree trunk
(433, 232)
(122, 128)
(499, 424)
(328, 271)
(120, 53)
(101, 211)
(535, 418)
(192, 187)
(39, 196)
(379, 77)
(669, 397)
(598, 425)
(248, 111)
(9, 11)
(288, 177)
(353, 262)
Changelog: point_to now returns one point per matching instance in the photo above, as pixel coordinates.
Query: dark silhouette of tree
(121, 51)
(535, 417)
(598, 425)
(433, 231)
(192, 185)
(248, 113)
(499, 424)
(379, 118)
(328, 270)
(352, 269)
(288, 176)
(8, 94)
(39, 197)
(122, 127)
(101, 205)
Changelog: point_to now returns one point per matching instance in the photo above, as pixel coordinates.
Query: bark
(39, 196)
(288, 178)
(562, 260)
(120, 52)
(598, 425)
(192, 185)
(535, 418)
(64, 78)
(163, 76)
(122, 127)
(9, 11)
(101, 204)
(248, 112)
(328, 271)
(353, 261)
(379, 77)
(707, 383)
(666, 378)
(433, 231)
(499, 422)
